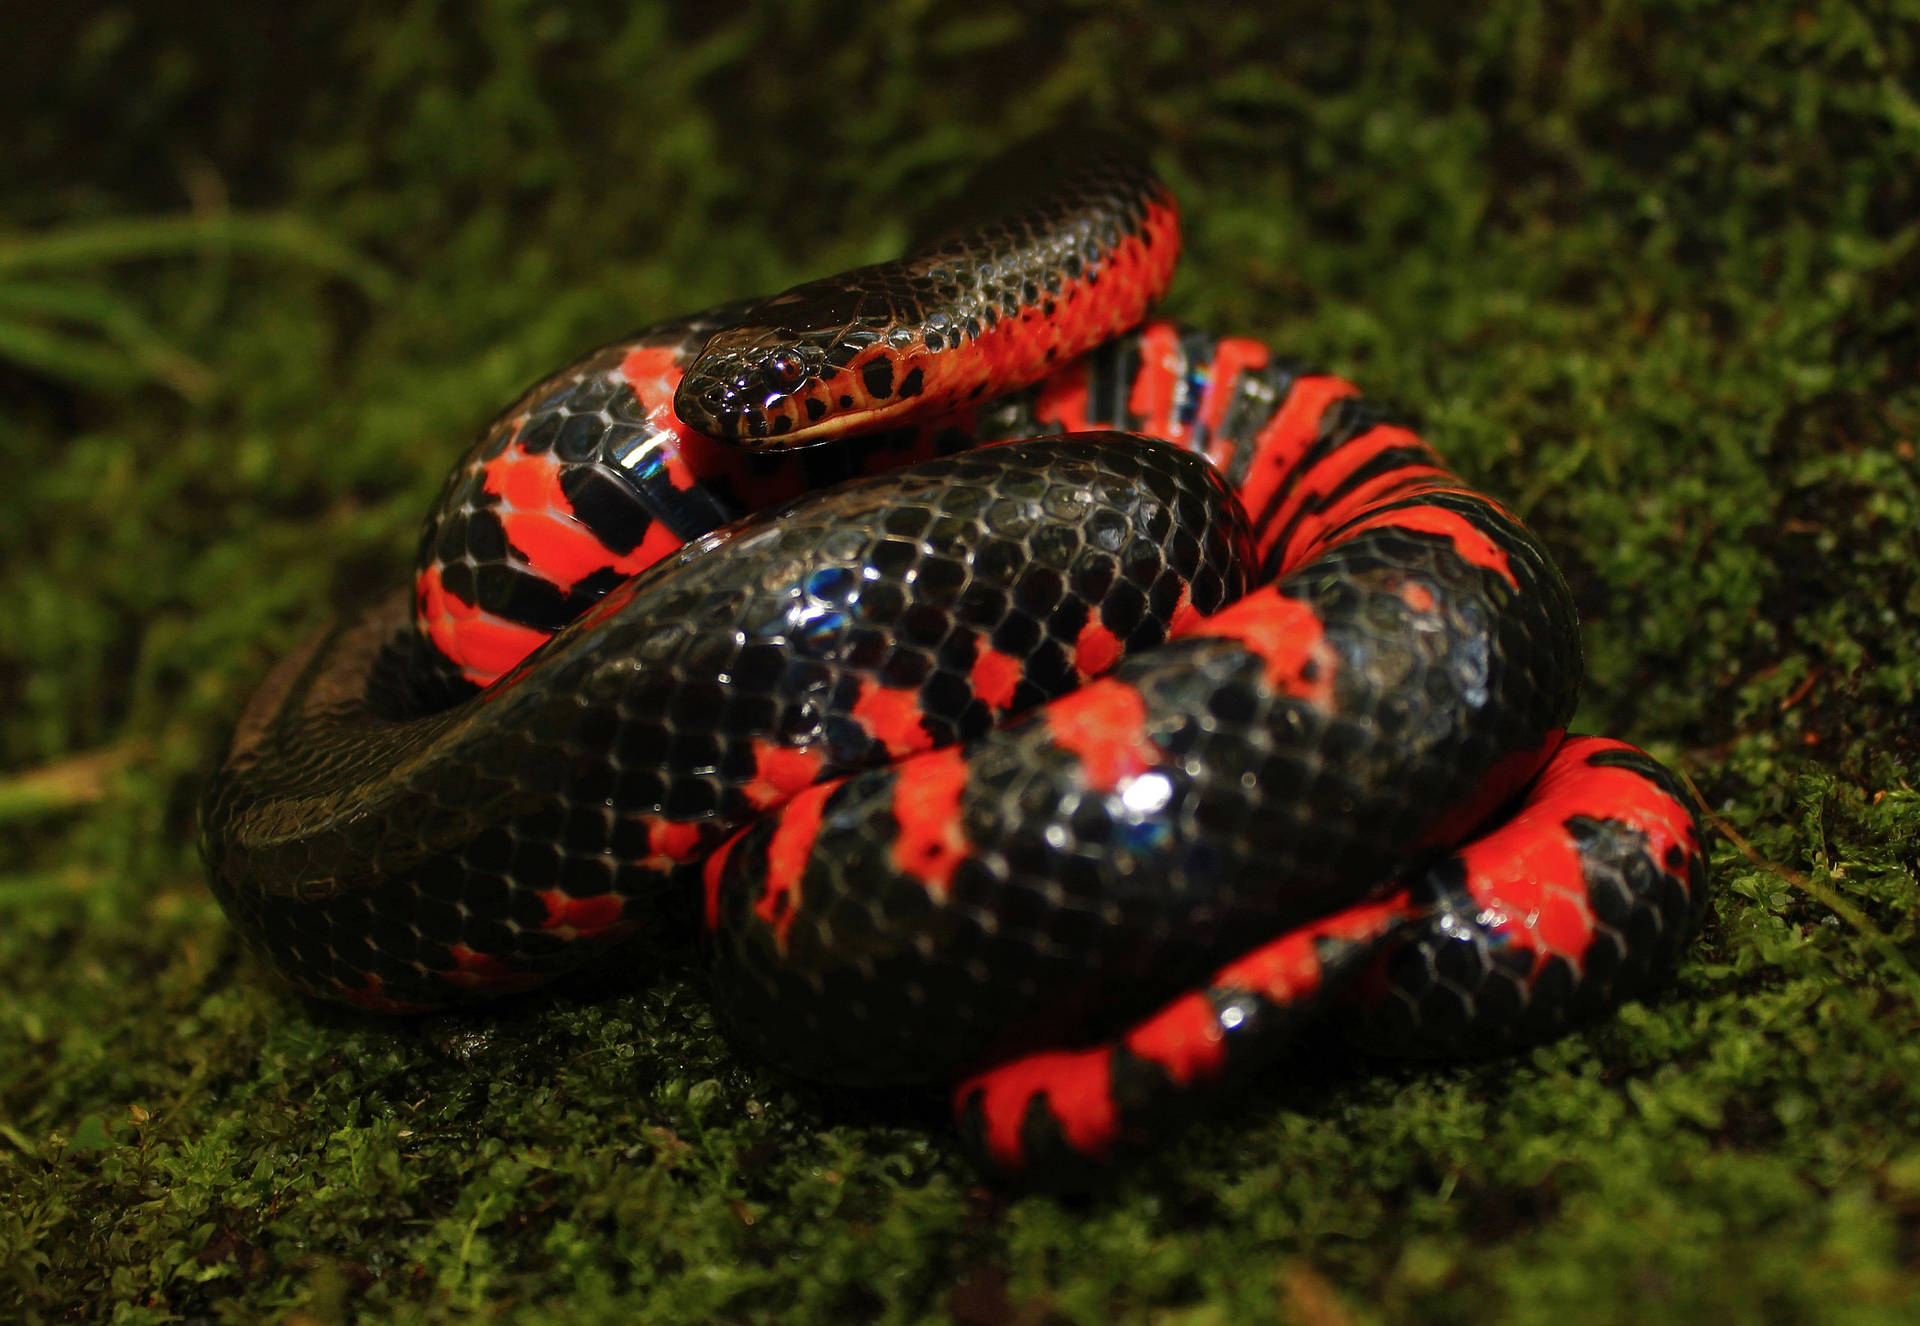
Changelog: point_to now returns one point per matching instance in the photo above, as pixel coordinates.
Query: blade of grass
(76, 359)
(118, 322)
(78, 781)
(130, 238)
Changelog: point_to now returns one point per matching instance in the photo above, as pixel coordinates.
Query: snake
(1011, 691)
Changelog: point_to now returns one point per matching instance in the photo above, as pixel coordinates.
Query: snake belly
(1021, 694)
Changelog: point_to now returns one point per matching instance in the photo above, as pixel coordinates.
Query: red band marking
(1185, 619)
(483, 645)
(1062, 403)
(931, 842)
(654, 372)
(1537, 902)
(780, 771)
(1418, 597)
(1527, 874)
(673, 842)
(1232, 356)
(1103, 725)
(995, 676)
(690, 457)
(1287, 638)
(1151, 399)
(710, 876)
(1095, 649)
(892, 716)
(1289, 969)
(1305, 510)
(372, 997)
(1286, 437)
(541, 527)
(795, 830)
(580, 918)
(1077, 1086)
(1184, 1038)
(538, 519)
(474, 970)
(545, 534)
(1469, 540)
(1508, 775)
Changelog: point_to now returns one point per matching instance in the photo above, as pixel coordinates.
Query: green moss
(1647, 270)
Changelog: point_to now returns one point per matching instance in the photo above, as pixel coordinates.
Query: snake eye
(783, 370)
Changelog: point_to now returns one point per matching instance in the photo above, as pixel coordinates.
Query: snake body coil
(1081, 768)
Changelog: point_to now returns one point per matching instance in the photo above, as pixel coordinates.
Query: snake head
(803, 367)
(988, 310)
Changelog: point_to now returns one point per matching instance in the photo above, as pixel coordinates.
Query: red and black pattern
(1556, 916)
(1084, 768)
(987, 311)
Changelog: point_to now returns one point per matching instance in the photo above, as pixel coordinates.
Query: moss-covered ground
(1648, 271)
